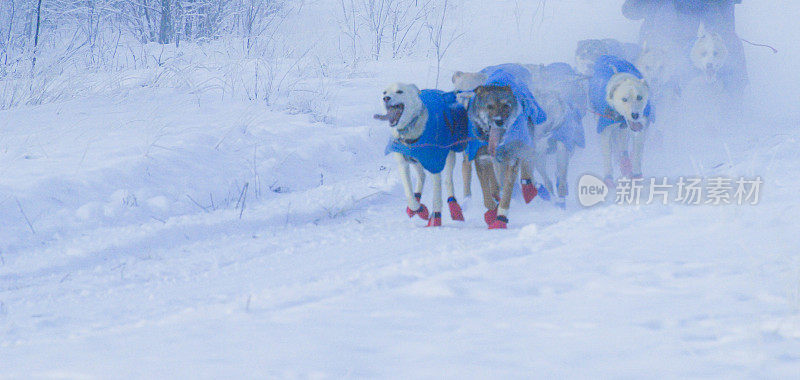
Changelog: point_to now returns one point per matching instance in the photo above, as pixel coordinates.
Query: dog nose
(499, 122)
(386, 99)
(635, 116)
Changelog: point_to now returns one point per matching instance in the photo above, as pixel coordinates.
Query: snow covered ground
(159, 232)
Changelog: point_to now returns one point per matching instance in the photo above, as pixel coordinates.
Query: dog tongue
(381, 117)
(636, 127)
(494, 140)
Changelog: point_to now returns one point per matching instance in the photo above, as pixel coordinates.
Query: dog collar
(409, 141)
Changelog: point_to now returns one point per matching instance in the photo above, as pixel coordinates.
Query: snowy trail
(323, 275)
(371, 293)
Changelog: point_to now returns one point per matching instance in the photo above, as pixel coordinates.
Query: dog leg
(485, 170)
(466, 174)
(452, 203)
(622, 142)
(436, 219)
(638, 149)
(605, 140)
(547, 185)
(414, 207)
(528, 188)
(510, 176)
(420, 179)
(562, 165)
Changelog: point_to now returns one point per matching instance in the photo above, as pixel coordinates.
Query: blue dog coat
(571, 132)
(517, 78)
(445, 131)
(605, 67)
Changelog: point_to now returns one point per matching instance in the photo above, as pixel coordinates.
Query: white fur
(709, 53)
(410, 126)
(628, 96)
(656, 66)
(465, 83)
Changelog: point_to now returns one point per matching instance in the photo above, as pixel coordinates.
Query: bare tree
(376, 15)
(441, 42)
(165, 31)
(350, 28)
(406, 18)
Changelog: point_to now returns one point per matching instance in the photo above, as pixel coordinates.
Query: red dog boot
(455, 209)
(422, 212)
(528, 190)
(500, 223)
(436, 221)
(490, 216)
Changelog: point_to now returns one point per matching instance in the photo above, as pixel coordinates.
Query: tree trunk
(36, 37)
(165, 32)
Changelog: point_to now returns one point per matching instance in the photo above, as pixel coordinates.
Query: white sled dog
(428, 128)
(620, 96)
(709, 53)
(660, 68)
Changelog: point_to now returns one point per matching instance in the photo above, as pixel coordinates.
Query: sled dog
(558, 90)
(709, 53)
(621, 97)
(428, 128)
(502, 114)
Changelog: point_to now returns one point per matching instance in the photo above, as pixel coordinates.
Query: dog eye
(490, 106)
(639, 98)
(625, 100)
(399, 91)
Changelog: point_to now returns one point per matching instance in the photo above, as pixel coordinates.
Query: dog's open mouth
(393, 114)
(495, 137)
(636, 126)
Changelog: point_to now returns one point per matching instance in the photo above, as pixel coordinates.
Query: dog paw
(436, 220)
(501, 223)
(528, 190)
(422, 212)
(543, 193)
(490, 216)
(455, 209)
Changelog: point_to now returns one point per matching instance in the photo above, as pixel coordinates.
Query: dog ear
(457, 75)
(645, 86)
(612, 88)
(701, 31)
(414, 88)
(480, 90)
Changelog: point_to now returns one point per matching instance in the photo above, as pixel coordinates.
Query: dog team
(509, 119)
